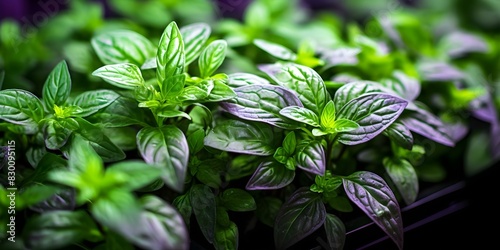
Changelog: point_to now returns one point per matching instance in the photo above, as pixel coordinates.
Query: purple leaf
(270, 175)
(372, 195)
(373, 112)
(263, 103)
(300, 215)
(459, 43)
(439, 71)
(310, 156)
(405, 86)
(428, 125)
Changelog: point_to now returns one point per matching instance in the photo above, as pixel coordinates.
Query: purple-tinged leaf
(304, 81)
(300, 215)
(457, 130)
(405, 86)
(161, 227)
(404, 177)
(277, 50)
(459, 43)
(372, 195)
(335, 232)
(165, 147)
(356, 89)
(373, 113)
(310, 157)
(400, 134)
(236, 80)
(438, 71)
(244, 137)
(340, 56)
(483, 109)
(263, 103)
(428, 125)
(270, 175)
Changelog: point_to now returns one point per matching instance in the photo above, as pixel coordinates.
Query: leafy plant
(198, 132)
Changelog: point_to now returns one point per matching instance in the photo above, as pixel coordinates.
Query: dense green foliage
(123, 133)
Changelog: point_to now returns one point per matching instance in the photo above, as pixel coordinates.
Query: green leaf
(21, 107)
(108, 151)
(122, 112)
(373, 112)
(372, 195)
(196, 92)
(262, 103)
(118, 210)
(170, 57)
(122, 46)
(299, 217)
(162, 227)
(237, 200)
(212, 57)
(236, 80)
(57, 87)
(404, 177)
(290, 143)
(270, 175)
(92, 101)
(276, 50)
(55, 134)
(123, 75)
(2, 78)
(304, 81)
(183, 205)
(195, 141)
(173, 86)
(195, 36)
(267, 209)
(136, 173)
(59, 229)
(226, 238)
(242, 137)
(167, 148)
(170, 113)
(33, 194)
(46, 164)
(205, 210)
(210, 172)
(344, 125)
(310, 157)
(400, 134)
(328, 116)
(335, 232)
(220, 92)
(301, 114)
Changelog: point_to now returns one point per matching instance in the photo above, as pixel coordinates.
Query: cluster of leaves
(217, 121)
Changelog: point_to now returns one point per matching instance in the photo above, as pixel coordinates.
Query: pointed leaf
(237, 200)
(301, 114)
(166, 148)
(304, 81)
(21, 107)
(161, 227)
(428, 125)
(404, 177)
(400, 134)
(335, 232)
(92, 101)
(123, 75)
(327, 118)
(195, 36)
(212, 58)
(270, 175)
(138, 173)
(373, 112)
(353, 90)
(372, 195)
(242, 137)
(205, 210)
(170, 57)
(122, 46)
(108, 151)
(262, 103)
(226, 238)
(300, 216)
(276, 50)
(236, 80)
(57, 87)
(310, 157)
